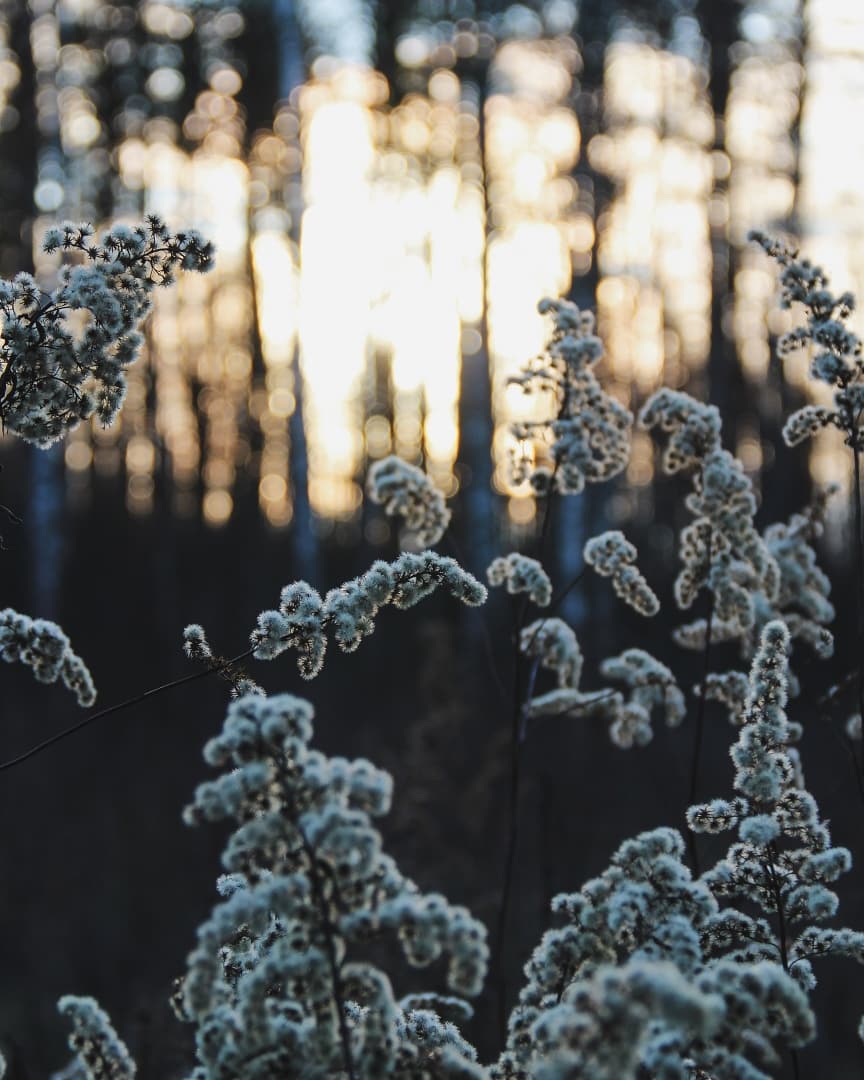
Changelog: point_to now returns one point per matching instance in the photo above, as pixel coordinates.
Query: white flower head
(587, 438)
(53, 376)
(407, 492)
(521, 574)
(612, 555)
(42, 646)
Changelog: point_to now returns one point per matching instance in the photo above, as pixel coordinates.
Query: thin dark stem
(781, 921)
(526, 704)
(604, 695)
(565, 591)
(220, 667)
(332, 960)
(518, 732)
(512, 824)
(66, 732)
(547, 515)
(700, 722)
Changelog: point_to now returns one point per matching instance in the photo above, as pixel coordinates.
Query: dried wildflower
(348, 612)
(721, 549)
(42, 646)
(595, 1001)
(406, 491)
(521, 575)
(99, 1051)
(52, 378)
(612, 555)
(836, 350)
(801, 599)
(649, 685)
(553, 643)
(269, 981)
(609, 1025)
(784, 860)
(588, 438)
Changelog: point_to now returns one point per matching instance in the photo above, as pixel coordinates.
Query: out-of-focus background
(391, 188)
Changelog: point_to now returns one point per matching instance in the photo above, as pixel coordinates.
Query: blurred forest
(391, 188)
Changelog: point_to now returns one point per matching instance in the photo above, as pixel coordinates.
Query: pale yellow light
(78, 456)
(140, 455)
(276, 284)
(217, 507)
(273, 488)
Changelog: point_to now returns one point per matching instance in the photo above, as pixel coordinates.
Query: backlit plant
(653, 969)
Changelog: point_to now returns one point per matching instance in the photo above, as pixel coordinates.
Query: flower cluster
(407, 491)
(100, 1053)
(588, 438)
(783, 861)
(621, 1022)
(553, 645)
(348, 612)
(521, 574)
(721, 549)
(624, 987)
(52, 378)
(650, 684)
(269, 986)
(836, 350)
(693, 428)
(801, 599)
(650, 972)
(42, 645)
(612, 555)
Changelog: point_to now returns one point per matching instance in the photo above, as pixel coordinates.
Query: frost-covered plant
(269, 985)
(553, 646)
(348, 612)
(835, 360)
(638, 931)
(520, 574)
(406, 491)
(588, 437)
(802, 597)
(784, 860)
(99, 1052)
(648, 976)
(651, 685)
(52, 375)
(835, 350)
(42, 646)
(608, 1026)
(721, 548)
(612, 555)
(801, 602)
